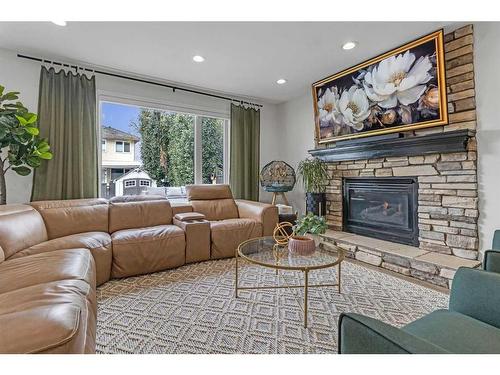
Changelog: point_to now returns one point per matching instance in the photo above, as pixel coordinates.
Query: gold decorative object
(280, 234)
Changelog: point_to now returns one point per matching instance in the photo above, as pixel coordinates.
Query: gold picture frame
(340, 100)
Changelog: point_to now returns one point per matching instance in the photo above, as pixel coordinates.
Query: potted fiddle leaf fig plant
(314, 177)
(21, 147)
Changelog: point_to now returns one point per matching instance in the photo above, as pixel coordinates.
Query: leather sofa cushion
(55, 317)
(208, 192)
(146, 250)
(456, 333)
(66, 217)
(74, 264)
(217, 209)
(129, 215)
(99, 244)
(21, 226)
(228, 234)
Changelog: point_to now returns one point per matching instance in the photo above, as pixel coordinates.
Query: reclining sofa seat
(231, 221)
(47, 300)
(143, 236)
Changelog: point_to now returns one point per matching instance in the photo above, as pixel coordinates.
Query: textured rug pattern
(192, 309)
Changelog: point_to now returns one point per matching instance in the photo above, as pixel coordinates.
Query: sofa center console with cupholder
(197, 230)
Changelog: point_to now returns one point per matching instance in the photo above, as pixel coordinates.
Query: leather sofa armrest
(474, 293)
(266, 214)
(360, 334)
(491, 261)
(189, 216)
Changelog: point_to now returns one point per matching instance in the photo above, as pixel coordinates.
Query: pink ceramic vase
(301, 245)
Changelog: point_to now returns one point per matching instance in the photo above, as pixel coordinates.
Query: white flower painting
(403, 89)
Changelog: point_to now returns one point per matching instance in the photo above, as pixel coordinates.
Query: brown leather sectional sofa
(53, 254)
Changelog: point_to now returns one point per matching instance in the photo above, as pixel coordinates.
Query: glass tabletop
(266, 252)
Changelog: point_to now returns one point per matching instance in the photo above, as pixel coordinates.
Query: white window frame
(147, 183)
(197, 111)
(123, 147)
(133, 183)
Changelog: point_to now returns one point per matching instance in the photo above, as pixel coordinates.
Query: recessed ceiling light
(198, 58)
(349, 45)
(281, 81)
(59, 23)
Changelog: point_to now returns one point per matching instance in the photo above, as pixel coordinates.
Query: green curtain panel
(244, 152)
(67, 117)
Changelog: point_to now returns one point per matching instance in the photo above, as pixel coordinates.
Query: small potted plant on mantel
(314, 178)
(306, 234)
(24, 149)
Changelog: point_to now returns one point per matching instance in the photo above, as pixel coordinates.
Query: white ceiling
(242, 59)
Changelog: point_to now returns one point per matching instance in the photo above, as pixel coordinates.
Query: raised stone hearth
(429, 266)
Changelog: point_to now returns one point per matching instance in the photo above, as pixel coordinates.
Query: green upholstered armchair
(491, 261)
(470, 325)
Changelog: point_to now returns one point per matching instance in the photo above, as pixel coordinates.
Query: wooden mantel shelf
(394, 145)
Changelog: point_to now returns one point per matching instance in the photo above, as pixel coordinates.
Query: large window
(165, 150)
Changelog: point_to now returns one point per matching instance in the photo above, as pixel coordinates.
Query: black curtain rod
(138, 80)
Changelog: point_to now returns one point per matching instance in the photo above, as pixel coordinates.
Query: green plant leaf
(10, 96)
(22, 120)
(46, 155)
(33, 162)
(32, 131)
(22, 171)
(1, 90)
(30, 117)
(43, 148)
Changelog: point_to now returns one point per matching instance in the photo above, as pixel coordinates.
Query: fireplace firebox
(382, 207)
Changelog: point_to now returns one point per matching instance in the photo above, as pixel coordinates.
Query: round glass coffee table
(264, 251)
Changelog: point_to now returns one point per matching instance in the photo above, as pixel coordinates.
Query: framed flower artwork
(400, 90)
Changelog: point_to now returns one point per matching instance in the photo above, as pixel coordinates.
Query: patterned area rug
(192, 309)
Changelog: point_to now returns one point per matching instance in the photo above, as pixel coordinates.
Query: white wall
(296, 137)
(23, 75)
(486, 63)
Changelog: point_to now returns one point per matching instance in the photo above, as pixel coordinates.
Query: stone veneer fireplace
(441, 160)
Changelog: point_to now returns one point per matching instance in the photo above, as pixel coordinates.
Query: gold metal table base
(306, 286)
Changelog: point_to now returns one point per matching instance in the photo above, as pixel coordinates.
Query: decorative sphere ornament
(280, 235)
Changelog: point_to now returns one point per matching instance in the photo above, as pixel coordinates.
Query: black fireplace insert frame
(405, 185)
